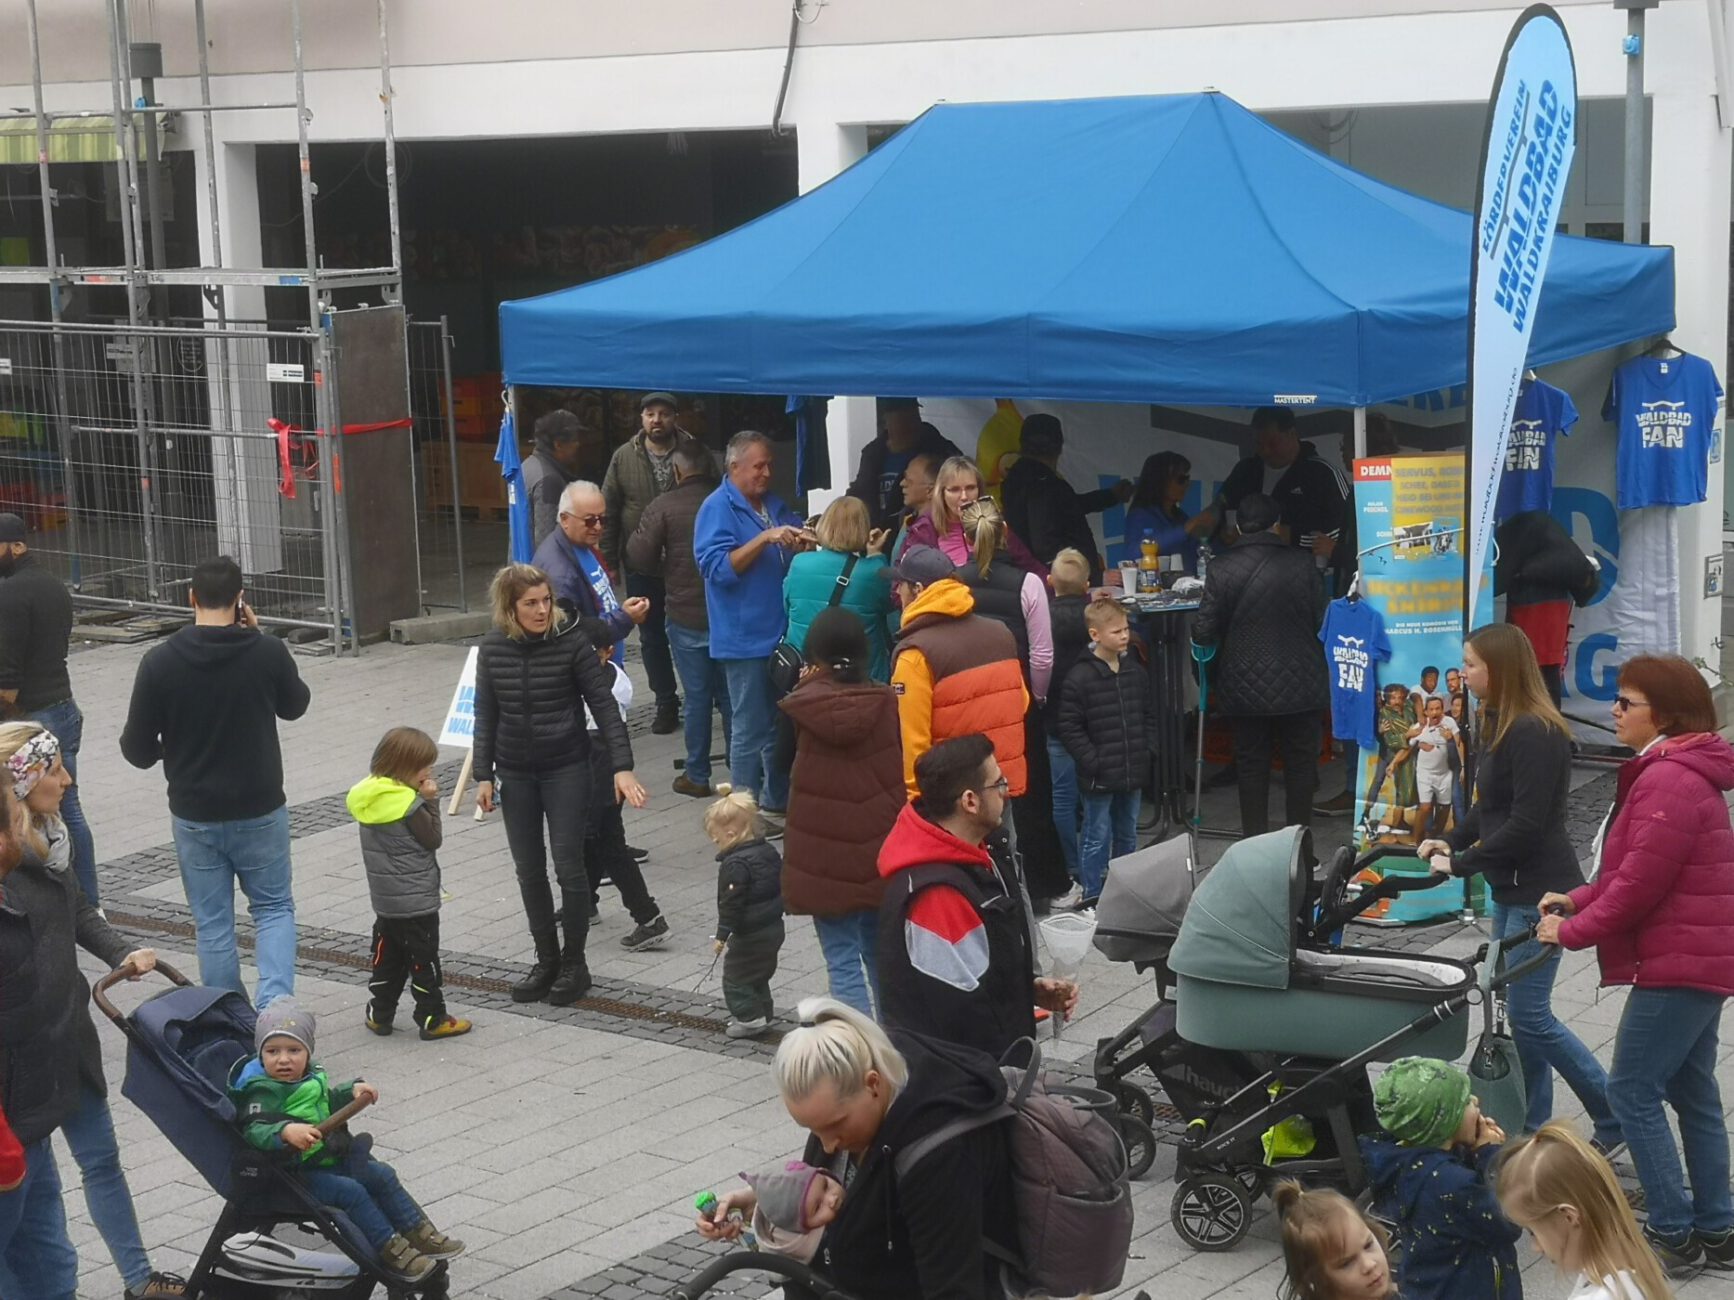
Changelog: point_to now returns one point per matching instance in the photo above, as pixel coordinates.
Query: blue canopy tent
(1172, 248)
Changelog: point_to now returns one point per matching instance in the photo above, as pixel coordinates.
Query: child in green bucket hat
(1431, 1174)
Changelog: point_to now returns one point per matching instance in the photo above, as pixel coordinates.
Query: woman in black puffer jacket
(534, 675)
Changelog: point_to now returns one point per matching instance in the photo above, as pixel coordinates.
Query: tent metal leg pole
(1360, 433)
(1632, 212)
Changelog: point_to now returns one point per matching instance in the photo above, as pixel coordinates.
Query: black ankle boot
(572, 984)
(534, 986)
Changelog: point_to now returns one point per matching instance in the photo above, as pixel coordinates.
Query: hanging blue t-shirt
(1664, 410)
(1355, 643)
(606, 601)
(1542, 414)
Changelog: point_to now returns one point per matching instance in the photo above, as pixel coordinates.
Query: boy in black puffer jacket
(1106, 726)
(749, 911)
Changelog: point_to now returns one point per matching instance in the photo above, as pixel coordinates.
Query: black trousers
(653, 637)
(1295, 738)
(1033, 816)
(607, 858)
(407, 948)
(560, 799)
(749, 961)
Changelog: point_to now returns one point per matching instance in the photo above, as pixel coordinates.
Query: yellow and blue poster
(1412, 785)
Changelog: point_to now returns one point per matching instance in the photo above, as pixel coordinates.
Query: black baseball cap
(659, 399)
(922, 565)
(12, 529)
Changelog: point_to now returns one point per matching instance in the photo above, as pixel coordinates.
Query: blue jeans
(367, 1191)
(89, 1134)
(1063, 779)
(851, 945)
(1666, 1051)
(67, 724)
(254, 851)
(1110, 830)
(754, 735)
(36, 1255)
(705, 686)
(1543, 1043)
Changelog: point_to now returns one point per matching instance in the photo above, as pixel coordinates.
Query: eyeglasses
(1002, 786)
(1622, 703)
(589, 521)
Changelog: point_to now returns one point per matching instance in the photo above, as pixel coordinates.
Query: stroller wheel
(1211, 1212)
(1140, 1142)
(1252, 1180)
(1133, 1100)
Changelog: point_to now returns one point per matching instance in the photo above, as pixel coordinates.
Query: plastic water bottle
(1203, 559)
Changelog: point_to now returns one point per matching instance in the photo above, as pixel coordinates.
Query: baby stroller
(1264, 1046)
(181, 1045)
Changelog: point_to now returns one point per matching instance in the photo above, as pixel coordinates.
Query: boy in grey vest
(397, 807)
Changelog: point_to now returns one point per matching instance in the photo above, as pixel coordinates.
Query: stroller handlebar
(127, 971)
(741, 1261)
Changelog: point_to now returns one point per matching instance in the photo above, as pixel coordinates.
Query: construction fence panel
(134, 453)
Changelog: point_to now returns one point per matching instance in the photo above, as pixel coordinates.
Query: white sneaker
(747, 1028)
(1068, 901)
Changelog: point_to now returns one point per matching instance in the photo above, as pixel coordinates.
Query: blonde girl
(1556, 1186)
(1331, 1250)
(959, 482)
(1515, 835)
(749, 910)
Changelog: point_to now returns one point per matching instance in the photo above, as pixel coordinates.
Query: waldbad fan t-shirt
(1664, 410)
(1543, 413)
(1354, 640)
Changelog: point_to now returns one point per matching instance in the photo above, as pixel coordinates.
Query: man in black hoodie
(1045, 510)
(206, 703)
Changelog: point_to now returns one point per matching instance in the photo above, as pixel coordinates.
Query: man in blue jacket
(743, 538)
(570, 557)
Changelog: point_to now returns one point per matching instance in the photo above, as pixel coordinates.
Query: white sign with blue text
(459, 730)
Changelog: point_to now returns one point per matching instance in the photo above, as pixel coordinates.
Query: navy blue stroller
(181, 1046)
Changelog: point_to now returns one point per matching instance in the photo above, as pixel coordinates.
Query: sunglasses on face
(1623, 703)
(589, 521)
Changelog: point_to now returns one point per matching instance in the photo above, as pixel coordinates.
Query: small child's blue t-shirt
(1355, 642)
(1664, 410)
(1542, 414)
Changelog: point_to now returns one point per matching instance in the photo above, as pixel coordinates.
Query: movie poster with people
(1414, 783)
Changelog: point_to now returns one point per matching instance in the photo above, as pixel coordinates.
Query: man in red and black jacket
(955, 948)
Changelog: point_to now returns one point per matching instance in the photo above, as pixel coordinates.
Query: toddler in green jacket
(281, 1097)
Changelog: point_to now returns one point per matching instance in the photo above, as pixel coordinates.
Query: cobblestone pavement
(565, 1145)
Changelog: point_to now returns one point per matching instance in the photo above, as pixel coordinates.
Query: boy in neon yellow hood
(397, 807)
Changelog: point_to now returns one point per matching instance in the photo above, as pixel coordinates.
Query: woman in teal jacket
(842, 531)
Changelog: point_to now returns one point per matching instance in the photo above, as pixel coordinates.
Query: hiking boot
(667, 718)
(450, 1027)
(572, 984)
(534, 986)
(692, 789)
(404, 1259)
(430, 1241)
(747, 1028)
(1680, 1260)
(652, 934)
(159, 1284)
(379, 1025)
(1337, 806)
(1718, 1249)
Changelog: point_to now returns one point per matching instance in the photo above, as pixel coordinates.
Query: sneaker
(637, 854)
(160, 1284)
(595, 910)
(652, 934)
(450, 1027)
(1068, 901)
(1609, 1151)
(1339, 806)
(1718, 1249)
(747, 1028)
(692, 789)
(667, 718)
(772, 820)
(404, 1259)
(430, 1241)
(378, 1026)
(1680, 1262)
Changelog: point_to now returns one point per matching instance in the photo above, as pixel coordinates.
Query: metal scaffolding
(121, 401)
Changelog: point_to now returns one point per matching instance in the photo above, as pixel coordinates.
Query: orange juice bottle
(1149, 563)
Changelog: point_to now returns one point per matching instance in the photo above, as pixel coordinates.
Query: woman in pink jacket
(1660, 914)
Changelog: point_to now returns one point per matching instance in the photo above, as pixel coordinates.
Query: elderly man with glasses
(572, 559)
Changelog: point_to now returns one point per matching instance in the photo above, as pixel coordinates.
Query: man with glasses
(570, 558)
(956, 950)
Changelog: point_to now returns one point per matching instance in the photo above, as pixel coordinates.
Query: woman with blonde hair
(865, 1094)
(535, 674)
(1515, 835)
(54, 1076)
(846, 571)
(1559, 1188)
(959, 482)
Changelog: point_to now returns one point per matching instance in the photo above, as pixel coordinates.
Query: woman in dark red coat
(842, 735)
(1660, 914)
